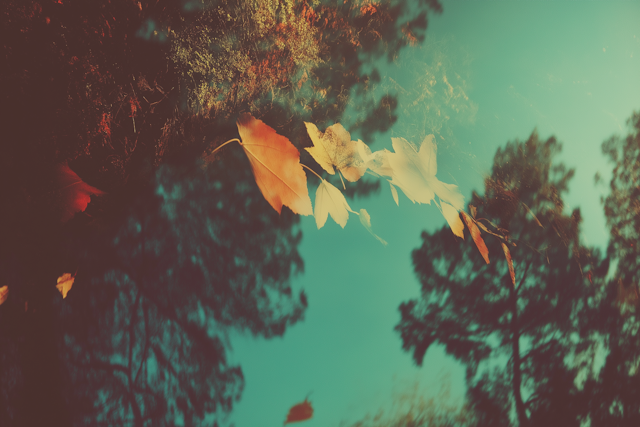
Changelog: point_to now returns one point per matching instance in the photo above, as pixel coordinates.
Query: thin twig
(312, 171)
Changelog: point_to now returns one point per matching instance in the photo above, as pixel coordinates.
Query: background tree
(614, 393)
(527, 332)
(116, 88)
(141, 338)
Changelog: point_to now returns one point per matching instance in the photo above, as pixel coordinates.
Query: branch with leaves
(280, 176)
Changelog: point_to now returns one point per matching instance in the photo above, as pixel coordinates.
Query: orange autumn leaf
(507, 255)
(65, 282)
(475, 235)
(276, 166)
(4, 293)
(300, 412)
(74, 194)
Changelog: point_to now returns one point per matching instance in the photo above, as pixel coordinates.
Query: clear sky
(499, 69)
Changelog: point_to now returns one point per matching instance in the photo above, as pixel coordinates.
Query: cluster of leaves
(281, 178)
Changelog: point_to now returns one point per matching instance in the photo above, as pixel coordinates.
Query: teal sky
(570, 69)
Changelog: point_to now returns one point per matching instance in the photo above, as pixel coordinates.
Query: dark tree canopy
(514, 340)
(614, 393)
(129, 94)
(141, 338)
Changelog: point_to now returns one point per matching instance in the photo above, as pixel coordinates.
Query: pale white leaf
(394, 193)
(365, 219)
(453, 218)
(330, 201)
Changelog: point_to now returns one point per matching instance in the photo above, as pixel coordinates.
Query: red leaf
(507, 255)
(73, 192)
(300, 412)
(475, 234)
(276, 166)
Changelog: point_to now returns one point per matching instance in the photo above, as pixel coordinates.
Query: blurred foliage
(412, 409)
(614, 393)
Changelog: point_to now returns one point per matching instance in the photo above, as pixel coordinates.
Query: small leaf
(73, 193)
(4, 293)
(474, 211)
(365, 219)
(394, 193)
(65, 282)
(334, 148)
(414, 171)
(475, 235)
(329, 200)
(300, 412)
(507, 255)
(453, 218)
(377, 162)
(276, 166)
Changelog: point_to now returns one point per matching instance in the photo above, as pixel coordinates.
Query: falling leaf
(475, 235)
(329, 200)
(73, 192)
(394, 193)
(414, 171)
(276, 166)
(453, 218)
(4, 293)
(300, 412)
(474, 211)
(365, 219)
(507, 255)
(334, 148)
(65, 282)
(377, 162)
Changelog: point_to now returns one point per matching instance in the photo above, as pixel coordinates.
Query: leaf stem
(222, 145)
(312, 171)
(341, 180)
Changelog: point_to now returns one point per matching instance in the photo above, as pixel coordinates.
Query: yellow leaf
(276, 166)
(334, 148)
(453, 218)
(65, 282)
(329, 200)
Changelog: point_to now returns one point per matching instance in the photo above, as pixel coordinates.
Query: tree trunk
(523, 420)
